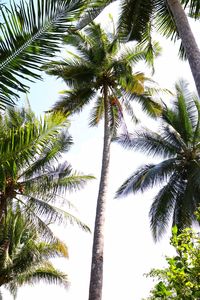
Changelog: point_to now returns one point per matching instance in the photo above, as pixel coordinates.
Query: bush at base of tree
(181, 279)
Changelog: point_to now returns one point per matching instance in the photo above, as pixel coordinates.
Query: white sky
(129, 248)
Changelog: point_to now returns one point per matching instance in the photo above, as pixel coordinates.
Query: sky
(129, 247)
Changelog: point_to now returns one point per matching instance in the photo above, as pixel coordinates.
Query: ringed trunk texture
(188, 40)
(96, 276)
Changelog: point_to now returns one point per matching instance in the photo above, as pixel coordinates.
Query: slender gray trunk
(188, 40)
(96, 277)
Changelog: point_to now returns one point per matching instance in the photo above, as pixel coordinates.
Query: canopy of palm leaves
(24, 256)
(101, 61)
(178, 143)
(31, 32)
(135, 17)
(30, 174)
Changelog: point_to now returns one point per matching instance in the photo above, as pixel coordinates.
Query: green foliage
(136, 17)
(178, 144)
(24, 256)
(30, 175)
(101, 61)
(181, 278)
(31, 33)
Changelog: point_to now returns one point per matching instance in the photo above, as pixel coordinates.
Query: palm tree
(30, 174)
(99, 72)
(178, 143)
(24, 256)
(170, 19)
(31, 33)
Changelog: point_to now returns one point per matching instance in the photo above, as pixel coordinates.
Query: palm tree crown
(30, 174)
(101, 61)
(178, 144)
(24, 256)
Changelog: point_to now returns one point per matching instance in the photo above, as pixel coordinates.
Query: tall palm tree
(24, 256)
(30, 174)
(178, 143)
(170, 19)
(99, 72)
(31, 32)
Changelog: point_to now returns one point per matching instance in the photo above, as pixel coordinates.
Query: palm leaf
(133, 18)
(30, 35)
(152, 49)
(75, 100)
(42, 228)
(46, 273)
(28, 141)
(193, 6)
(50, 154)
(73, 71)
(28, 253)
(94, 8)
(163, 206)
(129, 110)
(131, 55)
(164, 21)
(148, 142)
(53, 214)
(174, 138)
(183, 215)
(147, 177)
(97, 112)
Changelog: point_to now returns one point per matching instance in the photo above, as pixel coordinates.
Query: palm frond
(97, 112)
(30, 34)
(163, 206)
(53, 214)
(185, 111)
(134, 17)
(174, 138)
(197, 122)
(31, 217)
(148, 142)
(50, 154)
(46, 273)
(183, 216)
(152, 49)
(28, 252)
(132, 55)
(30, 139)
(164, 21)
(193, 6)
(72, 182)
(182, 53)
(129, 110)
(146, 177)
(73, 71)
(94, 8)
(75, 100)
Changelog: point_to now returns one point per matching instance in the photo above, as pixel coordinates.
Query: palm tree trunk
(96, 277)
(188, 40)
